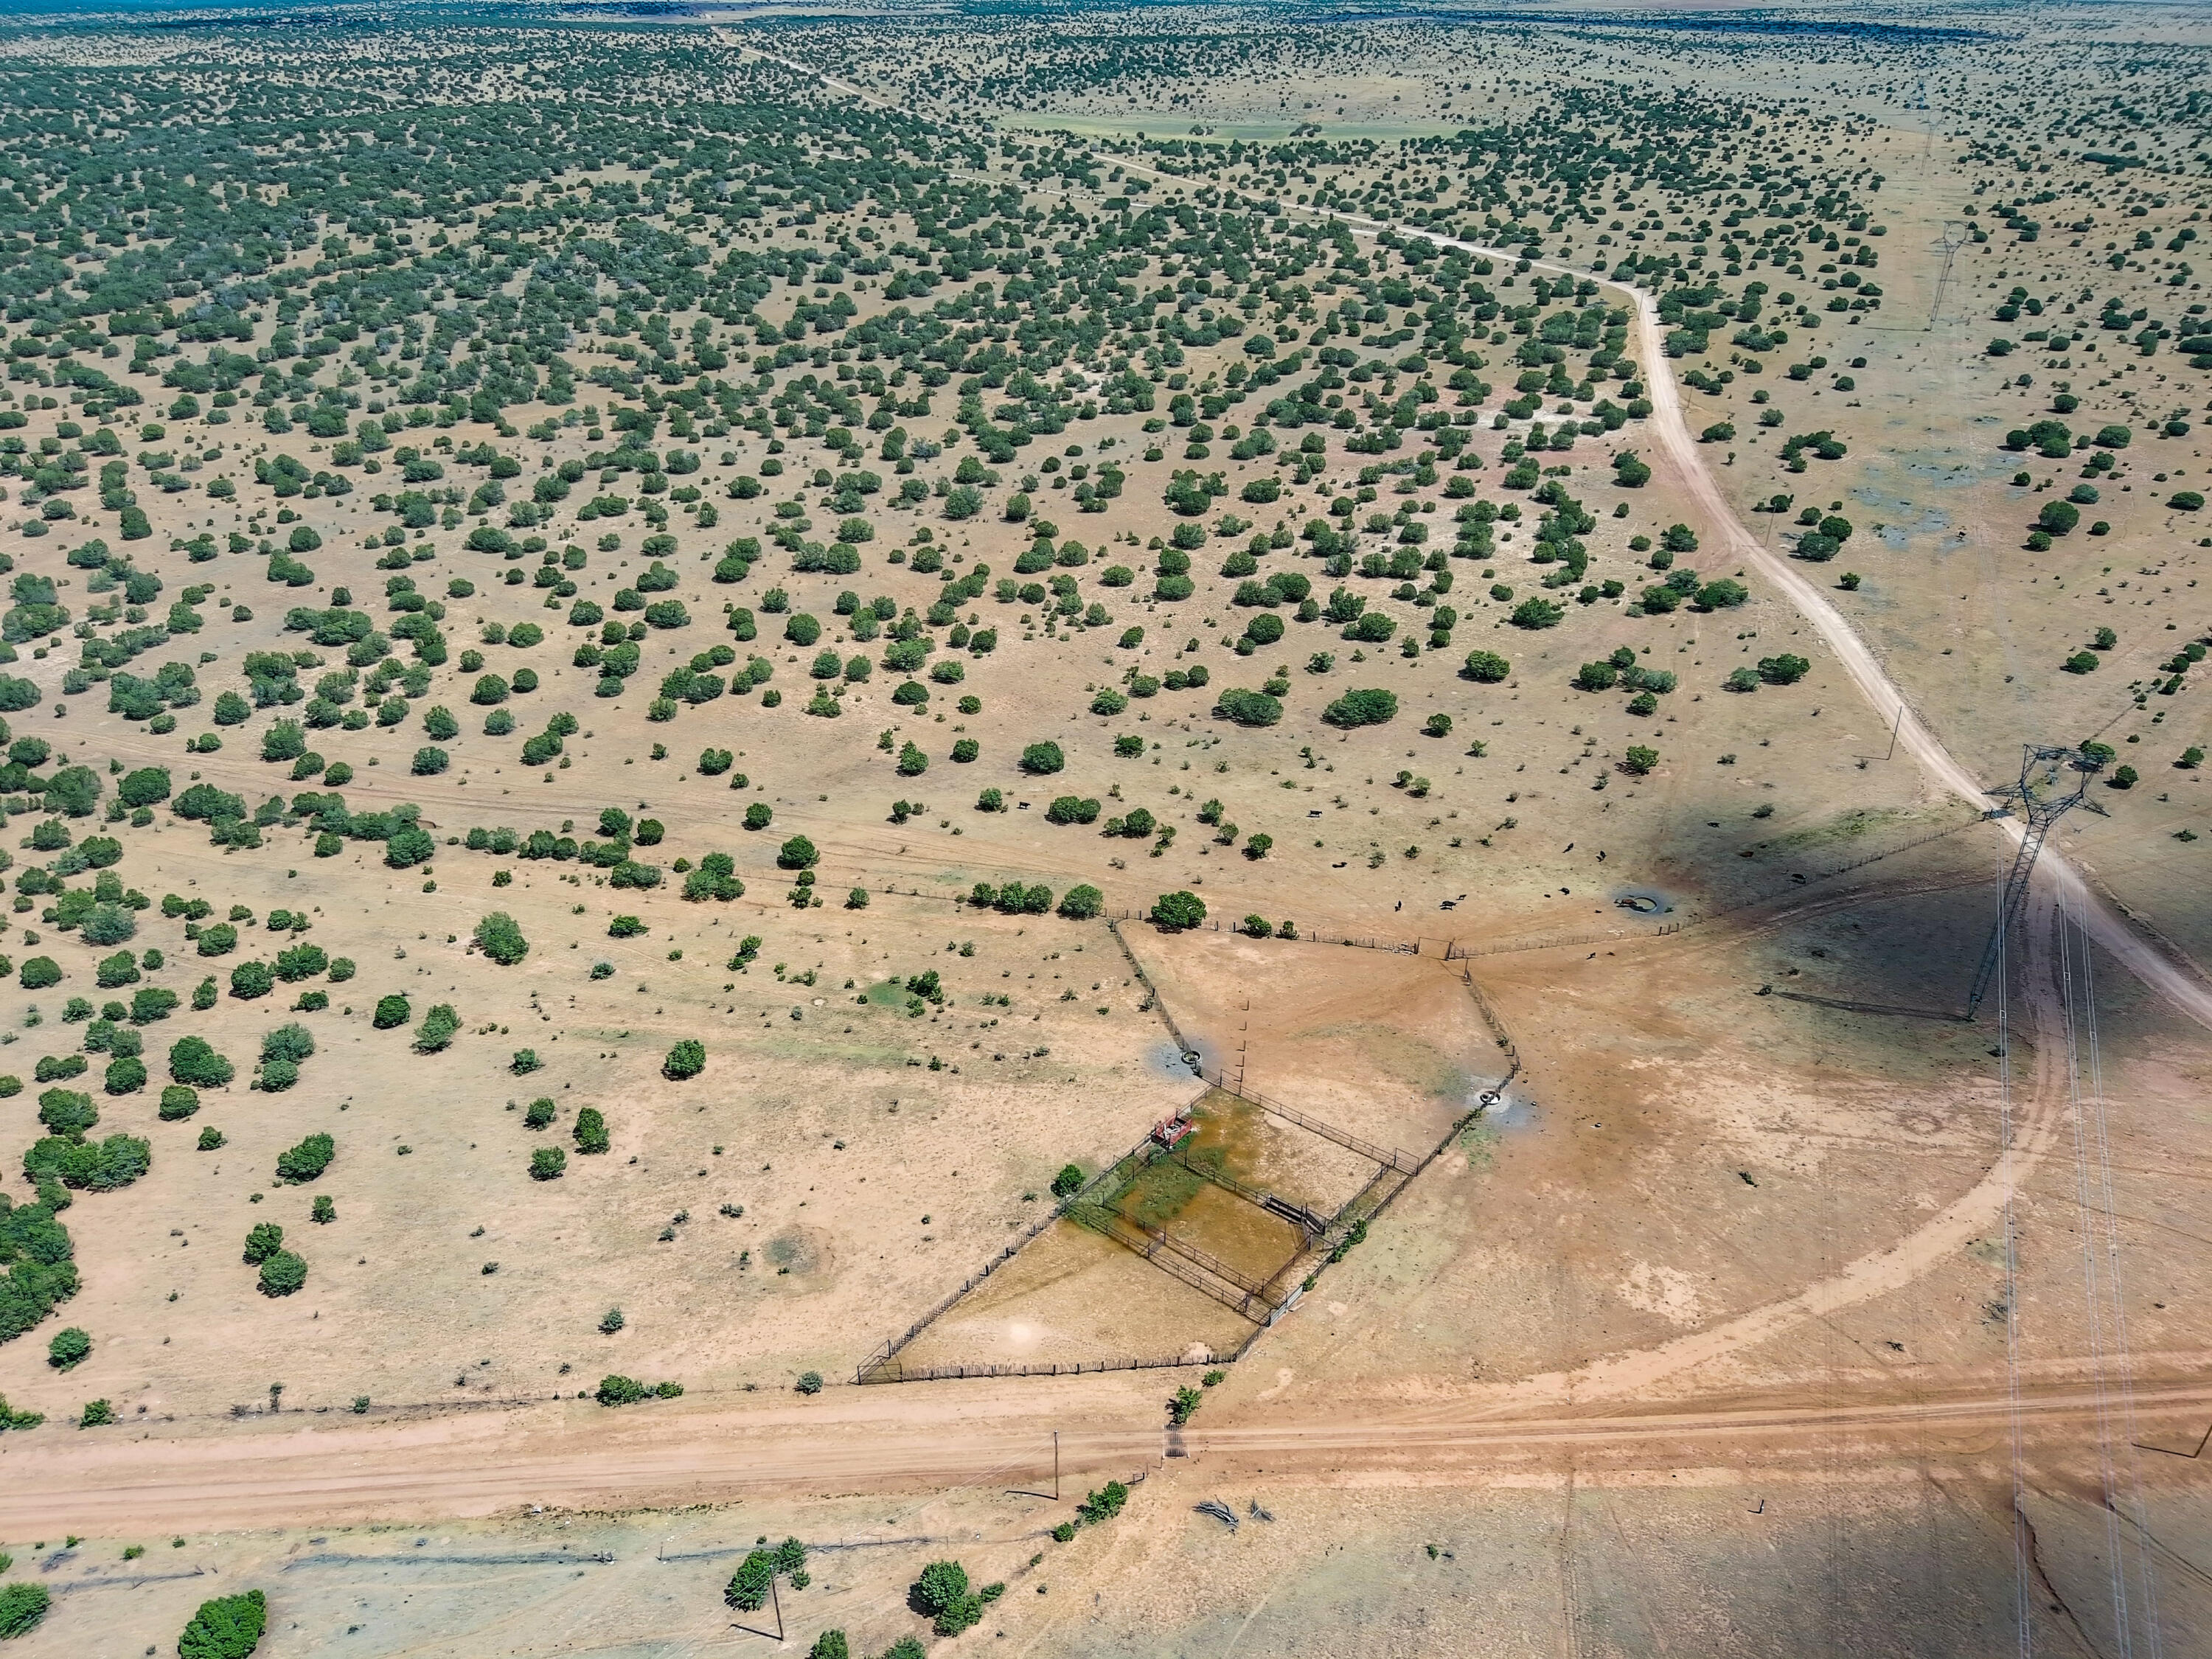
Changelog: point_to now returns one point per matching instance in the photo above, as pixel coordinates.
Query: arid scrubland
(666, 679)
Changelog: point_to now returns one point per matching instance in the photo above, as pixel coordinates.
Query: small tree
(686, 1059)
(284, 741)
(1178, 910)
(68, 1349)
(747, 1590)
(1725, 594)
(1369, 707)
(499, 937)
(1537, 613)
(406, 847)
(1639, 760)
(263, 1241)
(283, 1274)
(591, 1131)
(1081, 902)
(797, 853)
(227, 1627)
(391, 1011)
(548, 1164)
(437, 1029)
(307, 1161)
(290, 1042)
(1103, 1505)
(1068, 1182)
(250, 980)
(73, 790)
(22, 1606)
(1042, 758)
(942, 1592)
(1248, 707)
(66, 1112)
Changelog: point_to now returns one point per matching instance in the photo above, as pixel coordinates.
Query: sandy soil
(1763, 1259)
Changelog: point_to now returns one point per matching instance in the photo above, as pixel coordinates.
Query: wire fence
(1452, 949)
(1152, 998)
(894, 1370)
(1395, 1170)
(883, 1354)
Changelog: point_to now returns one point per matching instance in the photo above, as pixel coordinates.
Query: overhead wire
(2021, 1544)
(2093, 1290)
(2107, 1219)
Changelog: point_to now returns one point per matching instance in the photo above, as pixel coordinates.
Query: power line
(2022, 1543)
(2107, 1228)
(2042, 809)
(2115, 1566)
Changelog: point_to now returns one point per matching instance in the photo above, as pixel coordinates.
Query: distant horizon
(1737, 14)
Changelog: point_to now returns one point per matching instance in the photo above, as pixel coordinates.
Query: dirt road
(985, 1435)
(2183, 986)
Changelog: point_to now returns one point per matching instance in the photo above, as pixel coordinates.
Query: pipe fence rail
(1191, 1266)
(1306, 1120)
(1222, 1179)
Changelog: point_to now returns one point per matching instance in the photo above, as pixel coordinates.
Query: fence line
(1228, 1182)
(1183, 1261)
(1367, 1149)
(1396, 1171)
(893, 1371)
(1496, 1021)
(1454, 950)
(1152, 991)
(883, 1354)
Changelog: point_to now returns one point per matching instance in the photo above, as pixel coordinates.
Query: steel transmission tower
(2042, 800)
(1948, 244)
